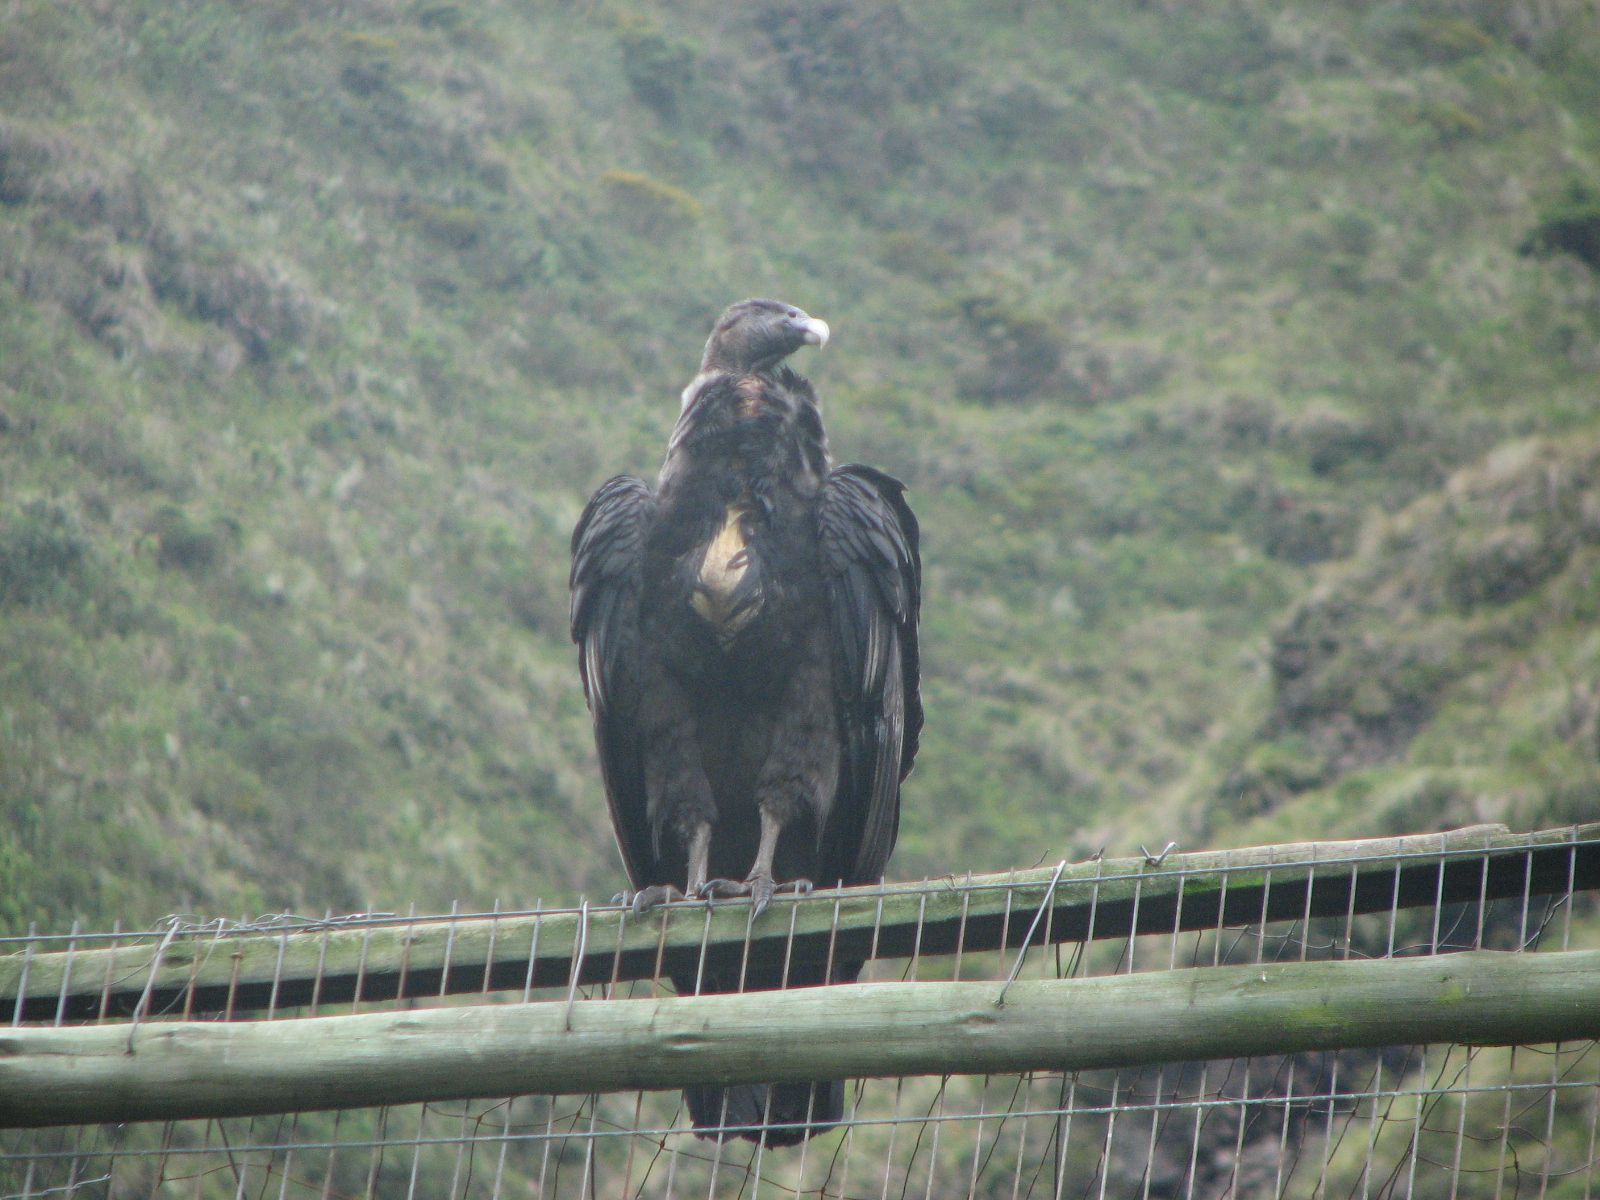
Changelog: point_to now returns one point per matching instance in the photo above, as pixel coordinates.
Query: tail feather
(776, 1114)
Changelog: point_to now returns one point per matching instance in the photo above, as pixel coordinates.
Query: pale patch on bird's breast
(723, 567)
(752, 396)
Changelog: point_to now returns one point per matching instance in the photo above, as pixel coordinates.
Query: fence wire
(1404, 1121)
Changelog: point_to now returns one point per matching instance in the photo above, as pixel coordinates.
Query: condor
(747, 639)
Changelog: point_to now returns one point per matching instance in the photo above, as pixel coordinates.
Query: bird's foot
(653, 897)
(760, 888)
(763, 889)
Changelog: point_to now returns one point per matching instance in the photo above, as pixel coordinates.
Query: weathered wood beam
(234, 973)
(163, 1071)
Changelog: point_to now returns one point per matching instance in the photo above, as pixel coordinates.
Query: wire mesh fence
(1445, 1120)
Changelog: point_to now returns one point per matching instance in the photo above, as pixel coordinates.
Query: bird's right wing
(607, 556)
(868, 541)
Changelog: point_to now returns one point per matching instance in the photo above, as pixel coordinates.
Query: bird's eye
(794, 314)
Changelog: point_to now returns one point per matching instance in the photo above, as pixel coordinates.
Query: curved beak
(815, 331)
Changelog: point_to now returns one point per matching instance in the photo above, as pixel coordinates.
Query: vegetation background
(1241, 358)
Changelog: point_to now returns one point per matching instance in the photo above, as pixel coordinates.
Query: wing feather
(607, 555)
(869, 546)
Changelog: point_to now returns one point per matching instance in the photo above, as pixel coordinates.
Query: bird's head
(756, 335)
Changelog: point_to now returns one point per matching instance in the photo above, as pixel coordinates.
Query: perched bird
(747, 638)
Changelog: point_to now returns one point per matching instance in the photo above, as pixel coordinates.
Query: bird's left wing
(868, 541)
(607, 552)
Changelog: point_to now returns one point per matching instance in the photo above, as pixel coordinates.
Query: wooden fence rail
(171, 1070)
(203, 971)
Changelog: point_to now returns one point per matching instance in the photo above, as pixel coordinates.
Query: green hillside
(1241, 360)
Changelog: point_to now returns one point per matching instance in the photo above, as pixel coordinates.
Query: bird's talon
(647, 899)
(761, 888)
(720, 889)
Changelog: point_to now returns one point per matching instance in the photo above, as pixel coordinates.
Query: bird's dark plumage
(747, 637)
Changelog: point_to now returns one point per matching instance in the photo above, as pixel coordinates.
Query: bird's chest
(726, 589)
(731, 595)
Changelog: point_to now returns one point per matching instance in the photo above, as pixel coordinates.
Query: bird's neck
(717, 359)
(744, 431)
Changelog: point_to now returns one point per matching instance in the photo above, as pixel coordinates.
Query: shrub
(184, 544)
(1331, 436)
(1020, 349)
(455, 225)
(913, 254)
(45, 555)
(257, 304)
(1451, 121)
(1570, 226)
(1228, 56)
(538, 601)
(1304, 532)
(1502, 565)
(1273, 773)
(75, 184)
(647, 206)
(1020, 111)
(658, 68)
(446, 17)
(369, 63)
(859, 54)
(18, 883)
(114, 452)
(1406, 35)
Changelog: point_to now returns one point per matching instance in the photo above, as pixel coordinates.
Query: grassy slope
(316, 330)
